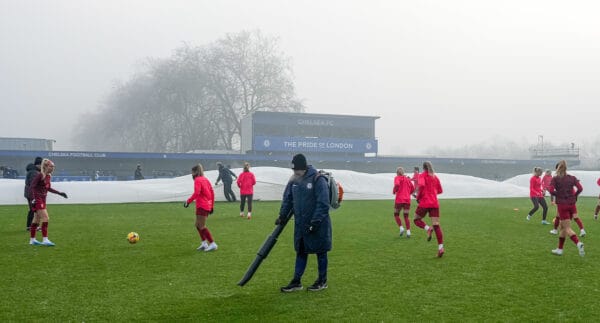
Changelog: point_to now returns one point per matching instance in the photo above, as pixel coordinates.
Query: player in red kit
(403, 188)
(597, 205)
(40, 186)
(577, 220)
(566, 198)
(536, 194)
(415, 179)
(246, 182)
(546, 180)
(204, 196)
(429, 187)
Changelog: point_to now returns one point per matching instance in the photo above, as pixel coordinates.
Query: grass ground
(497, 267)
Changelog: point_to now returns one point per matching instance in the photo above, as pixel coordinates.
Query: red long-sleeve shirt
(41, 186)
(535, 187)
(415, 178)
(546, 182)
(403, 187)
(246, 182)
(429, 188)
(203, 194)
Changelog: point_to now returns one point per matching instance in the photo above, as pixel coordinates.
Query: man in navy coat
(308, 195)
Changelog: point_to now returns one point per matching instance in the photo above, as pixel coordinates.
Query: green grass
(497, 267)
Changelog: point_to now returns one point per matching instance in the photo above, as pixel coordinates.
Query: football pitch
(497, 266)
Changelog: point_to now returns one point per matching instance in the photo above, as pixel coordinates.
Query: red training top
(203, 194)
(403, 187)
(415, 178)
(546, 182)
(535, 187)
(246, 182)
(41, 186)
(429, 188)
(562, 188)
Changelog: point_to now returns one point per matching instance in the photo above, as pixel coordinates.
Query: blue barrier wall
(121, 166)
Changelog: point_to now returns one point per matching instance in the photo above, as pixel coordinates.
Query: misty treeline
(499, 147)
(494, 147)
(195, 99)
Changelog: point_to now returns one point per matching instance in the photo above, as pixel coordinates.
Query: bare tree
(248, 73)
(194, 99)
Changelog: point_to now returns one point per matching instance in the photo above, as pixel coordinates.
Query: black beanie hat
(38, 161)
(299, 162)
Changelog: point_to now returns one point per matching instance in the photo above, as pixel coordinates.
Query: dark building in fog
(321, 134)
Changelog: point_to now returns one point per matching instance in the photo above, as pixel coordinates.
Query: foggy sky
(443, 73)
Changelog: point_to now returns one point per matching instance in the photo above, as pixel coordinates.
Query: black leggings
(30, 213)
(228, 192)
(243, 202)
(537, 201)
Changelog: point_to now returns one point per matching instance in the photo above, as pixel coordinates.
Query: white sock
(408, 232)
(579, 244)
(440, 246)
(401, 228)
(241, 213)
(45, 239)
(249, 214)
(426, 227)
(31, 239)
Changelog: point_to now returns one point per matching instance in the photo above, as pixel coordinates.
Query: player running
(415, 179)
(429, 187)
(576, 218)
(403, 188)
(597, 205)
(546, 180)
(566, 198)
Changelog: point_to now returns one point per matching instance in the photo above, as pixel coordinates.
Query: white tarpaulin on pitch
(270, 184)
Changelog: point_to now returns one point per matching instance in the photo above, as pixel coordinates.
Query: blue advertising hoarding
(327, 145)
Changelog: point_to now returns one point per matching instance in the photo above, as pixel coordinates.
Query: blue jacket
(310, 201)
(225, 175)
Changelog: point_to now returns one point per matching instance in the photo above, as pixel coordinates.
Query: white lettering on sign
(339, 145)
(77, 154)
(315, 122)
(307, 144)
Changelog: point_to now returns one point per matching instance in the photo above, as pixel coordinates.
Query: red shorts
(202, 212)
(433, 212)
(405, 206)
(40, 204)
(566, 211)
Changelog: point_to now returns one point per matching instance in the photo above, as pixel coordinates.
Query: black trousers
(537, 201)
(229, 195)
(30, 213)
(243, 202)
